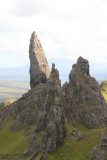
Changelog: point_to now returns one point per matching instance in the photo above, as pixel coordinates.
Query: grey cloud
(27, 8)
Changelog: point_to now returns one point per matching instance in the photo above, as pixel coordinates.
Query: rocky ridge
(47, 106)
(43, 107)
(84, 98)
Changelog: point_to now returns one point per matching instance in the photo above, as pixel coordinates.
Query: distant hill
(22, 73)
(15, 74)
(12, 89)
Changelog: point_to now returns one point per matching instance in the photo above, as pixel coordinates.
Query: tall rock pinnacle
(84, 97)
(39, 68)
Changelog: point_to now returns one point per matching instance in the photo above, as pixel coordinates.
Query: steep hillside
(103, 87)
(6, 103)
(50, 122)
(13, 144)
(76, 146)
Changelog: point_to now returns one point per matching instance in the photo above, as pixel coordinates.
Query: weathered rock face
(47, 106)
(100, 152)
(84, 98)
(26, 109)
(51, 118)
(5, 114)
(43, 107)
(81, 68)
(39, 68)
(55, 130)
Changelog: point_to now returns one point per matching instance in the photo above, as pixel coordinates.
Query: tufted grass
(13, 144)
(78, 150)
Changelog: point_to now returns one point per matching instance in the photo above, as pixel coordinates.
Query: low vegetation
(78, 149)
(103, 87)
(6, 103)
(13, 144)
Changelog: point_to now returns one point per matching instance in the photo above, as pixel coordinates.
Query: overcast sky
(67, 29)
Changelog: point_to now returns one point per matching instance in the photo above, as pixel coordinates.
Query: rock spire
(39, 68)
(84, 98)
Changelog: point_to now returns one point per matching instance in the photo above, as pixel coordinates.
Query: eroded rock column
(39, 68)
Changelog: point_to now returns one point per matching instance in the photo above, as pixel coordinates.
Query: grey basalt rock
(100, 152)
(51, 118)
(29, 107)
(84, 98)
(43, 107)
(48, 105)
(39, 68)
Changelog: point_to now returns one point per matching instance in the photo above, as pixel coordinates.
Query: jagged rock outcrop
(100, 152)
(84, 98)
(55, 129)
(44, 108)
(47, 106)
(51, 118)
(39, 68)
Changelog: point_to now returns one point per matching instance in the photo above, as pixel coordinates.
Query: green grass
(105, 95)
(103, 86)
(11, 157)
(78, 149)
(13, 144)
(6, 103)
(36, 158)
(37, 154)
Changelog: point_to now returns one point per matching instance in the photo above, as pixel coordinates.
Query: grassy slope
(78, 150)
(104, 89)
(6, 103)
(12, 90)
(13, 144)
